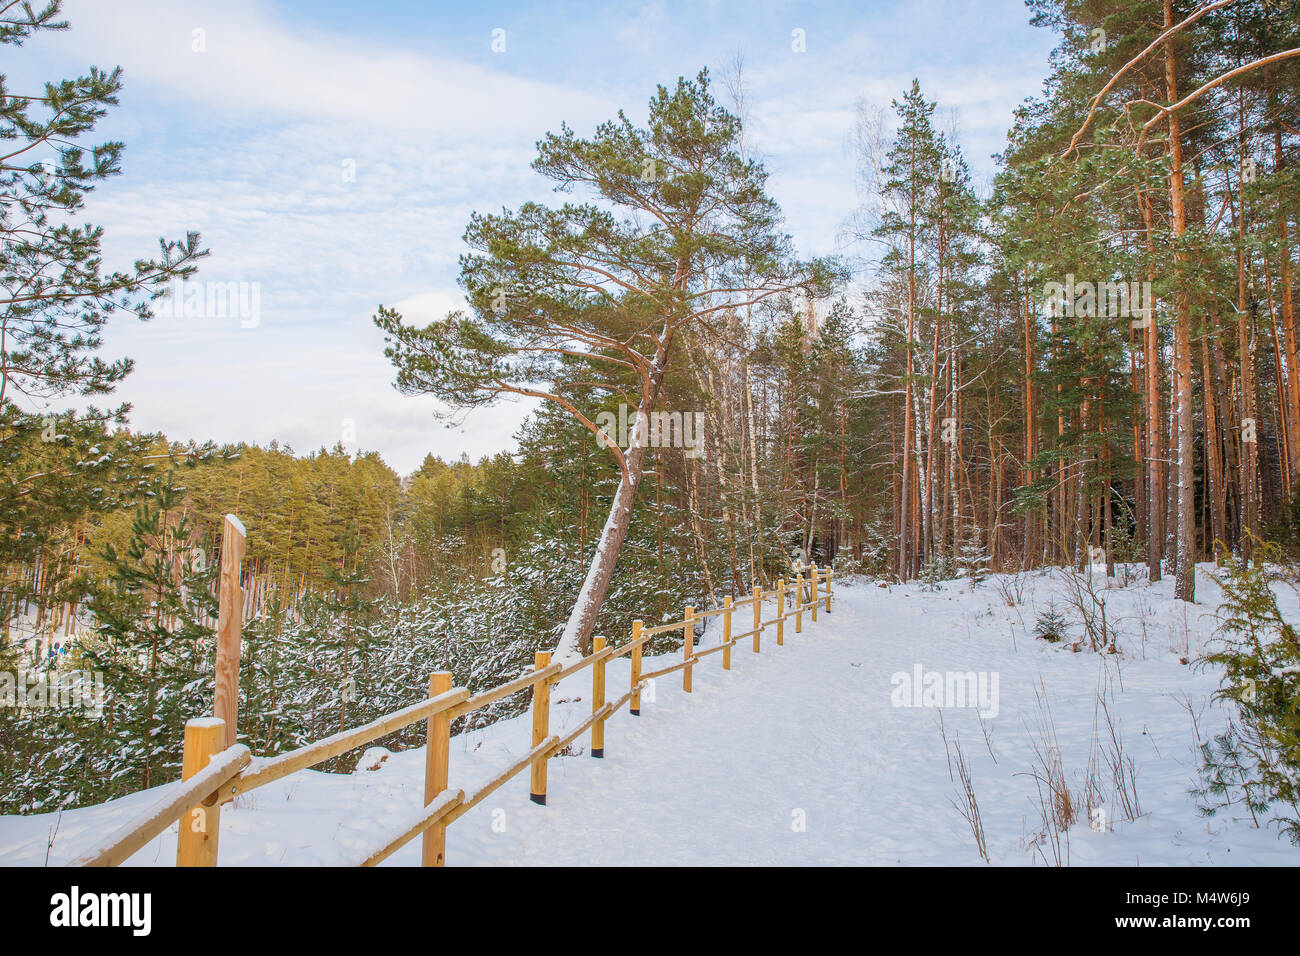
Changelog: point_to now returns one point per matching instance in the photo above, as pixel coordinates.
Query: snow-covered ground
(36, 643)
(800, 754)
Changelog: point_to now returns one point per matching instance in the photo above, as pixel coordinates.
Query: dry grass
(1057, 806)
(968, 806)
(1011, 588)
(1123, 770)
(1090, 607)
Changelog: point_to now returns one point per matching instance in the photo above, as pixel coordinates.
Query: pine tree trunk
(1213, 451)
(1169, 475)
(575, 639)
(1139, 438)
(1288, 317)
(1155, 503)
(906, 511)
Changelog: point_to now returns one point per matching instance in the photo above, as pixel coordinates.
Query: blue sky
(250, 141)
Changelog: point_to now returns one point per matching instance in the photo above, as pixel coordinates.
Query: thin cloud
(339, 171)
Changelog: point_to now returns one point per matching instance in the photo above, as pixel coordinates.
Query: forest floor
(803, 755)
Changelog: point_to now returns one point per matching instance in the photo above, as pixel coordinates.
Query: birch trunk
(1185, 580)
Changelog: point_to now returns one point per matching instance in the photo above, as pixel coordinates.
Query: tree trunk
(1155, 503)
(1213, 451)
(1185, 580)
(906, 517)
(575, 639)
(1246, 350)
(1288, 320)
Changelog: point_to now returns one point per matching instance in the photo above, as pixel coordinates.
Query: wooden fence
(214, 772)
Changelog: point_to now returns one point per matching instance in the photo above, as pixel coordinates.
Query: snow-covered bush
(973, 557)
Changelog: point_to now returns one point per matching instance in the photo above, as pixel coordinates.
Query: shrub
(1260, 656)
(1051, 625)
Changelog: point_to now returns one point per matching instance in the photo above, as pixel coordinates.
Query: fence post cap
(202, 722)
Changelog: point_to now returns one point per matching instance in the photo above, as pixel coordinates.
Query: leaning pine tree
(576, 304)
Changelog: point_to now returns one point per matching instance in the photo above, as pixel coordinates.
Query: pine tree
(55, 300)
(1051, 625)
(151, 641)
(913, 171)
(570, 299)
(1259, 652)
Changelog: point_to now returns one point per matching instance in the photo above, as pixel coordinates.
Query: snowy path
(723, 775)
(797, 755)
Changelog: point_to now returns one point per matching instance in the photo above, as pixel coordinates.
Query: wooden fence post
(196, 842)
(758, 614)
(598, 698)
(828, 590)
(541, 727)
(688, 648)
(436, 756)
(230, 596)
(812, 587)
(726, 634)
(798, 602)
(780, 611)
(634, 708)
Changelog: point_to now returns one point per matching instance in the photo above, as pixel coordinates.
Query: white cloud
(249, 142)
(254, 64)
(430, 306)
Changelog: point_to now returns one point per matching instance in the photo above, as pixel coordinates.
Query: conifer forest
(1067, 352)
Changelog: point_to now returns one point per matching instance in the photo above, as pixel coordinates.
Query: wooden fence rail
(214, 774)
